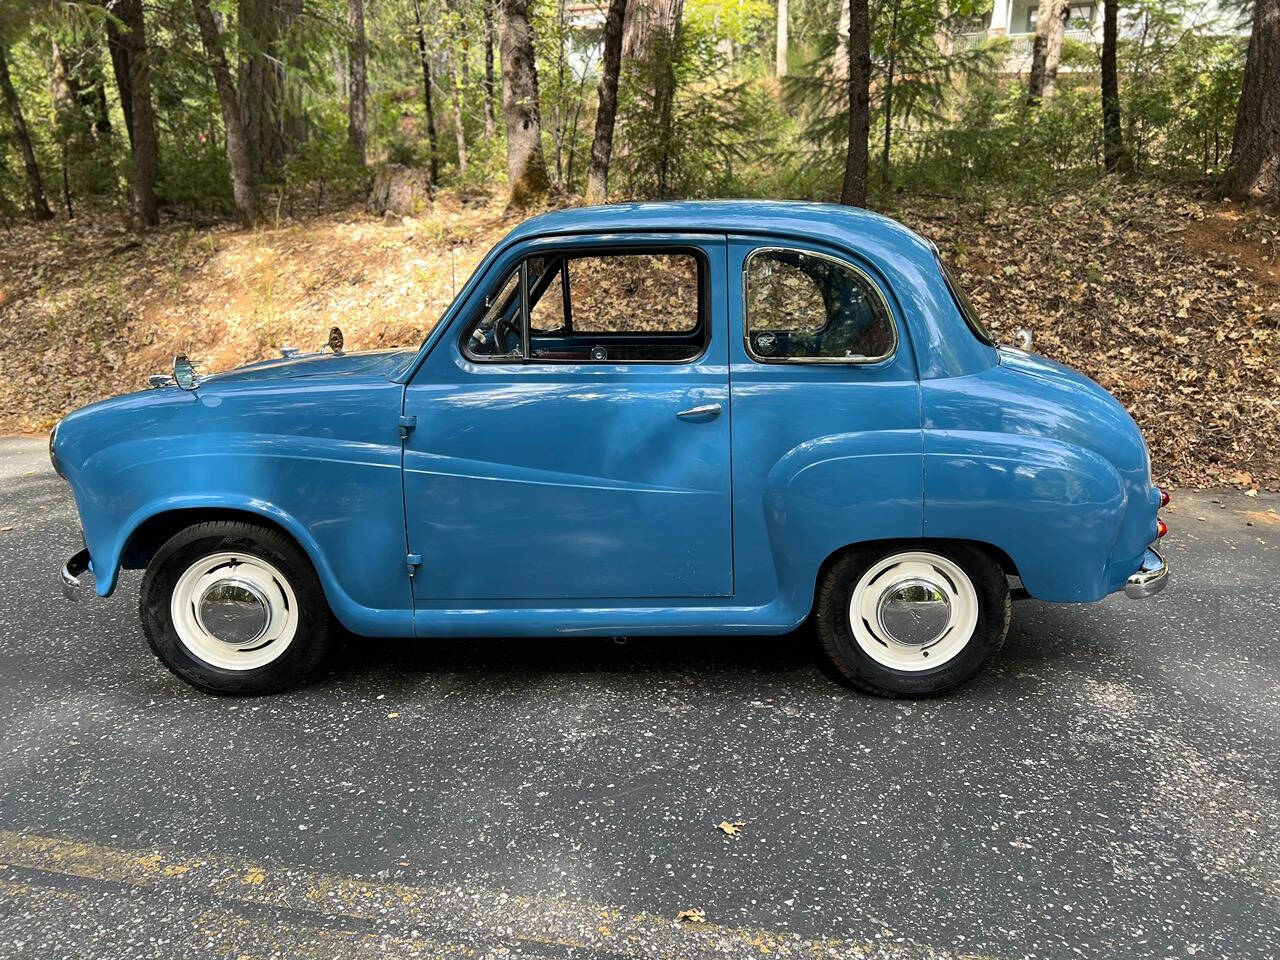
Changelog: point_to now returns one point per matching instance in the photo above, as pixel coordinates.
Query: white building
(1016, 19)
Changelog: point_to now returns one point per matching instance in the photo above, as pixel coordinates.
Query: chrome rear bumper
(1151, 578)
(71, 570)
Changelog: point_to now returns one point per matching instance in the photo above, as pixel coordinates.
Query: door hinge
(412, 562)
(406, 425)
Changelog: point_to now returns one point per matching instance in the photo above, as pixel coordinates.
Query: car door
(571, 436)
(827, 447)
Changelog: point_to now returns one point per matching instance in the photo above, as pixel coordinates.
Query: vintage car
(654, 419)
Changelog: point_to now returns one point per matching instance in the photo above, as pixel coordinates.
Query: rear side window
(623, 307)
(803, 306)
(965, 305)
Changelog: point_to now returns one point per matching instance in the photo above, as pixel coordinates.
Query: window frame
(840, 261)
(964, 306)
(704, 321)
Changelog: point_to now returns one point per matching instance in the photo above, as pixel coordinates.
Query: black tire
(831, 622)
(315, 625)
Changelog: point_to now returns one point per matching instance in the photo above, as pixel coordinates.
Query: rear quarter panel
(1050, 468)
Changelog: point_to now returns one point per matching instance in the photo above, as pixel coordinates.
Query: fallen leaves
(732, 829)
(693, 915)
(1182, 325)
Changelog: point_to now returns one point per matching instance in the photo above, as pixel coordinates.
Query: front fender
(319, 460)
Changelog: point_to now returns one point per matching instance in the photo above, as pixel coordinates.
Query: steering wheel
(501, 327)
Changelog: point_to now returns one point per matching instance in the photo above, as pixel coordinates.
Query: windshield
(966, 307)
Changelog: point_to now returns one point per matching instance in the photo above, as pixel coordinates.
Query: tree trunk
(454, 32)
(68, 119)
(665, 97)
(260, 92)
(490, 117)
(35, 186)
(644, 19)
(357, 45)
(607, 112)
(1046, 49)
(853, 191)
(1253, 171)
(1112, 135)
(130, 54)
(888, 90)
(238, 149)
(783, 39)
(120, 64)
(101, 113)
(459, 128)
(526, 166)
(840, 61)
(433, 161)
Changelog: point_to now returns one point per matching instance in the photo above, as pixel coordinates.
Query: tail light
(1161, 528)
(1164, 498)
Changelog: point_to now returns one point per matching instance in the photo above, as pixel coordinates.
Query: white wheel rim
(913, 611)
(234, 611)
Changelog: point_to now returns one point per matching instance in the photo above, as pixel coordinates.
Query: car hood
(316, 365)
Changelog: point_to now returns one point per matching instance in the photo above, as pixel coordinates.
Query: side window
(634, 293)
(805, 306)
(546, 283)
(623, 307)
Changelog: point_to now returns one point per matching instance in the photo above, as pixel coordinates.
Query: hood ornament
(335, 339)
(1022, 338)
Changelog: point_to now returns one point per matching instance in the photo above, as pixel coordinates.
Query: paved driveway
(1110, 787)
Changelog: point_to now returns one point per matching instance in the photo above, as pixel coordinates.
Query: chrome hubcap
(914, 612)
(234, 611)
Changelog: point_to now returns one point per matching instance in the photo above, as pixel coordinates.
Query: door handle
(700, 414)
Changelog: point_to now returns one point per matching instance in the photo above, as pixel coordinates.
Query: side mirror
(184, 372)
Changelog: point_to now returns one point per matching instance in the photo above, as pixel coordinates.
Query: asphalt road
(1110, 787)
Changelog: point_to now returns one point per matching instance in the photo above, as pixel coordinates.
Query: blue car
(655, 419)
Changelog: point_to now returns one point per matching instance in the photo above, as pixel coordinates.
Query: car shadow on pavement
(499, 658)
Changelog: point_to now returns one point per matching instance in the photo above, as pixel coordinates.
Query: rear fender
(1055, 508)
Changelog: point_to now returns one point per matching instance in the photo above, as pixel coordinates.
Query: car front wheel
(912, 621)
(235, 608)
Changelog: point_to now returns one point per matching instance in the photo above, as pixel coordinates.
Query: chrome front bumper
(1151, 578)
(71, 571)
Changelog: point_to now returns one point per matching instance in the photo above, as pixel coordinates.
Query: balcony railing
(1019, 44)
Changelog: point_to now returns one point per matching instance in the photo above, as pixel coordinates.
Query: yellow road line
(265, 901)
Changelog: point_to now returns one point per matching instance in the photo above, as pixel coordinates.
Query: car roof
(823, 222)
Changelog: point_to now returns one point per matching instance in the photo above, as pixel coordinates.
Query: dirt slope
(1171, 301)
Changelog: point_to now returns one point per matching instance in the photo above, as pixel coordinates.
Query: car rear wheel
(235, 608)
(912, 621)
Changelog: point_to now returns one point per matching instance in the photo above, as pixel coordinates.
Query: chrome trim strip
(1151, 578)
